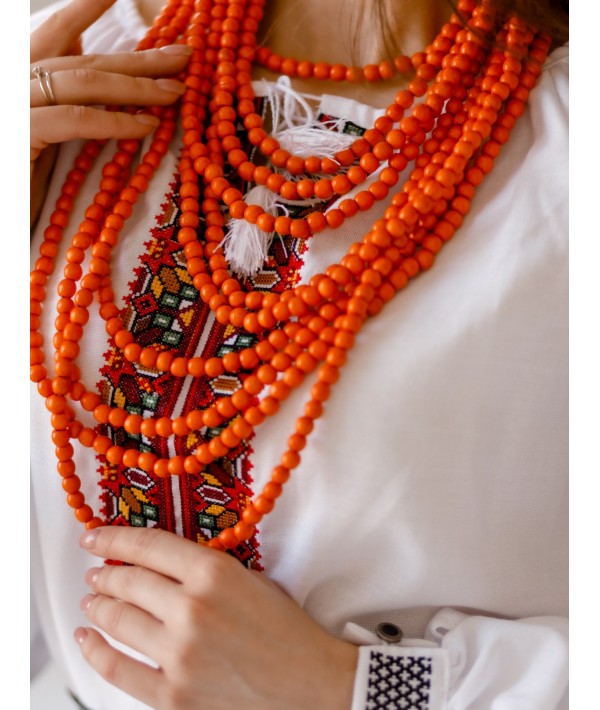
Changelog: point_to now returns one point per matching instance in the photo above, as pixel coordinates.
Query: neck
(318, 31)
(341, 31)
(350, 31)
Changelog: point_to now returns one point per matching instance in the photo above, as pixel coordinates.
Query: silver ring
(43, 77)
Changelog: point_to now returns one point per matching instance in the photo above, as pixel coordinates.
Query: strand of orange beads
(314, 407)
(335, 217)
(323, 71)
(55, 390)
(507, 65)
(99, 267)
(382, 143)
(375, 147)
(230, 286)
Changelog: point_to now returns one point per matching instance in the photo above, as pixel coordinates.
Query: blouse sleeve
(466, 663)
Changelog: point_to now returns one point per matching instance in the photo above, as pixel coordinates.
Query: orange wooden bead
(75, 500)
(101, 413)
(272, 490)
(161, 468)
(369, 162)
(320, 391)
(71, 484)
(117, 417)
(251, 515)
(66, 468)
(164, 360)
(290, 459)
(176, 466)
(263, 505)
(268, 406)
(114, 455)
(321, 70)
(243, 531)
(305, 69)
(335, 218)
(280, 390)
(316, 221)
(163, 427)
(84, 514)
(224, 408)
(282, 225)
(299, 229)
(364, 200)
(313, 165)
(130, 458)
(356, 175)
(338, 72)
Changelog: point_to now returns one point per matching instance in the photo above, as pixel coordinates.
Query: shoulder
(553, 86)
(558, 59)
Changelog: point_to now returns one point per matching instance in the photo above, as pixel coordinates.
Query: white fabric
(532, 653)
(438, 474)
(461, 649)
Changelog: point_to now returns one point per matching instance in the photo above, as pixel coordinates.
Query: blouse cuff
(400, 678)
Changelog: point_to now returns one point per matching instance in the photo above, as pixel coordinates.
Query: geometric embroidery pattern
(164, 311)
(398, 682)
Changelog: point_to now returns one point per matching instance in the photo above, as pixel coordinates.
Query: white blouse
(432, 494)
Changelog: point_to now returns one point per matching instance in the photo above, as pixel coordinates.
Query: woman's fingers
(125, 623)
(158, 550)
(135, 585)
(131, 676)
(61, 30)
(89, 87)
(56, 124)
(166, 61)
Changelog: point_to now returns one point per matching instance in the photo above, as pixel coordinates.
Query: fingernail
(86, 601)
(170, 85)
(147, 119)
(79, 635)
(92, 575)
(88, 539)
(177, 49)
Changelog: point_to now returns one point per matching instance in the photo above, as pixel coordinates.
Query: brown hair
(551, 16)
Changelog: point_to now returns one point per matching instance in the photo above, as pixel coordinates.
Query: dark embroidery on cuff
(398, 682)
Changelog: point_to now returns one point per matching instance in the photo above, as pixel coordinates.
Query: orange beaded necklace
(473, 83)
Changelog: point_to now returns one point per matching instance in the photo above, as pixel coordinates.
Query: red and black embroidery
(163, 310)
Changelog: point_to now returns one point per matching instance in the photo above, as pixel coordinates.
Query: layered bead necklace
(464, 95)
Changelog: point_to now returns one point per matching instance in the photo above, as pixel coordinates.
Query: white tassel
(245, 246)
(295, 126)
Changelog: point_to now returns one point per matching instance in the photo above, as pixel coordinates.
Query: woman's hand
(222, 636)
(83, 84)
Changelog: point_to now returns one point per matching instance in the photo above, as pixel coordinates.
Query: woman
(417, 554)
